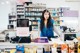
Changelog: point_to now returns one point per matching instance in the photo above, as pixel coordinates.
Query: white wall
(70, 22)
(5, 9)
(58, 3)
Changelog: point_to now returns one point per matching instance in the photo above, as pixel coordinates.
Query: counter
(13, 45)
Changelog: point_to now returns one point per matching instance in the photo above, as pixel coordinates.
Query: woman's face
(46, 15)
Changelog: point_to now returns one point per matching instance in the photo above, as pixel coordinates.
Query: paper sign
(23, 31)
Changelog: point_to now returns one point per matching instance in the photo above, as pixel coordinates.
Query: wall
(4, 10)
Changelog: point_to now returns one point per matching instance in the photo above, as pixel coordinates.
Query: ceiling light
(2, 3)
(7, 2)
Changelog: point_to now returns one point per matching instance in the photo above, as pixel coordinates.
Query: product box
(41, 40)
(20, 49)
(30, 49)
(47, 48)
(27, 50)
(64, 48)
(13, 51)
(71, 48)
(39, 50)
(54, 48)
(59, 48)
(78, 47)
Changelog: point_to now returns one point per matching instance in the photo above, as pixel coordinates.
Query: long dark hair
(49, 23)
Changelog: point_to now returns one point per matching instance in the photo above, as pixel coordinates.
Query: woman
(46, 25)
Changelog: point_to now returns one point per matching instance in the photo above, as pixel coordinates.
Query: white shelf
(20, 10)
(20, 13)
(13, 19)
(35, 7)
(20, 7)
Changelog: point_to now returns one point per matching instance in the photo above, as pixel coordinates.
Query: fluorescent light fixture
(7, 2)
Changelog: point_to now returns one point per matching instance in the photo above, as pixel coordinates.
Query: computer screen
(22, 27)
(69, 36)
(22, 22)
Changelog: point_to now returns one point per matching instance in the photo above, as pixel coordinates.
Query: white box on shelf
(54, 50)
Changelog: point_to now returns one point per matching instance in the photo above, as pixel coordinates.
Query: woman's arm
(57, 31)
(39, 32)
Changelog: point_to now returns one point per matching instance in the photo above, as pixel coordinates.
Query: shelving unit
(56, 13)
(55, 16)
(20, 11)
(12, 21)
(27, 10)
(34, 11)
(30, 11)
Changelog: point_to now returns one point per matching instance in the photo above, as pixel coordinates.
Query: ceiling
(6, 1)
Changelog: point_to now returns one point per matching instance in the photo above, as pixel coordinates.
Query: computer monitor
(22, 27)
(69, 36)
(22, 22)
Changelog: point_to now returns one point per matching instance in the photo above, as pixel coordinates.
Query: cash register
(22, 31)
